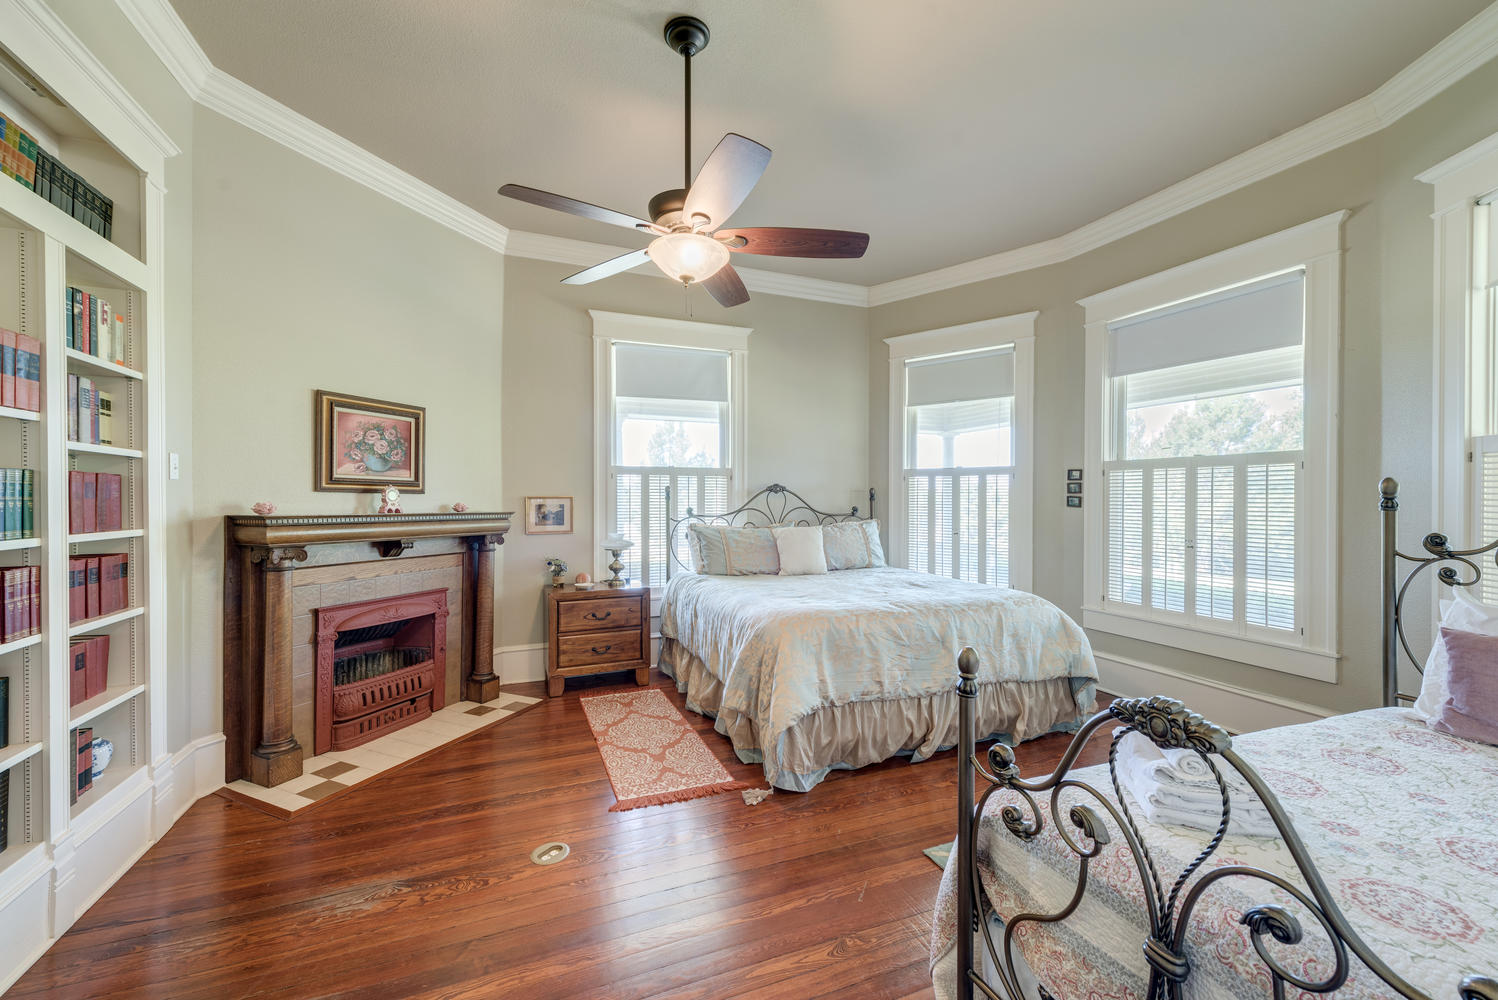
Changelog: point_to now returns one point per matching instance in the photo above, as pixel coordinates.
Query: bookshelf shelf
(105, 536)
(108, 787)
(14, 414)
(31, 212)
(79, 448)
(16, 753)
(16, 645)
(113, 697)
(98, 367)
(17, 858)
(103, 621)
(11, 544)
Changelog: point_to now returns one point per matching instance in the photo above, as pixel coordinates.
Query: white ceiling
(947, 129)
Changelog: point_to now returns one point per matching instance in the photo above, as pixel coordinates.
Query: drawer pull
(600, 652)
(594, 616)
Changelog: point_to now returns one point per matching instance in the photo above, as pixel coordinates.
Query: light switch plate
(173, 466)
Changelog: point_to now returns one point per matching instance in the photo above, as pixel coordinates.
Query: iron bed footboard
(1170, 905)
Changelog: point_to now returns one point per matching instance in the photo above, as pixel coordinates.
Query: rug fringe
(680, 795)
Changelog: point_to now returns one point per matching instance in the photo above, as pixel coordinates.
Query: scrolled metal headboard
(775, 504)
(1455, 567)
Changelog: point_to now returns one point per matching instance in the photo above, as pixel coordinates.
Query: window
(1482, 360)
(960, 401)
(670, 425)
(1213, 435)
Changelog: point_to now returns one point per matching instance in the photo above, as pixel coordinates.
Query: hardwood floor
(419, 884)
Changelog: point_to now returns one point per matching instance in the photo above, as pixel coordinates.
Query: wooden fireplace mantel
(260, 558)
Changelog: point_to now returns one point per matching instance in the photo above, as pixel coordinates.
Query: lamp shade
(688, 257)
(617, 543)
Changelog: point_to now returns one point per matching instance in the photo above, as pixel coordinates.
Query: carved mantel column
(278, 756)
(482, 684)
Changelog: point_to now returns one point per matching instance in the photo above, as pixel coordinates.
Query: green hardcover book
(28, 503)
(13, 503)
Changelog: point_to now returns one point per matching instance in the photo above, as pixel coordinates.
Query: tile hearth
(341, 770)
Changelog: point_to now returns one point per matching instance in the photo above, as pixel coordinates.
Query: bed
(1379, 884)
(810, 674)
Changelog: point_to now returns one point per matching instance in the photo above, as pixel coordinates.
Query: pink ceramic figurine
(264, 508)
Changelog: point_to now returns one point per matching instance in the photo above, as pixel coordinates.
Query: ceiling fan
(691, 245)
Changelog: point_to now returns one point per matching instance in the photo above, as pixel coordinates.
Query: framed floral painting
(363, 444)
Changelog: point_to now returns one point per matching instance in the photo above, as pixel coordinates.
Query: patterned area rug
(939, 855)
(651, 754)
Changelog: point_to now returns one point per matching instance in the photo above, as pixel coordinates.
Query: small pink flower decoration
(459, 507)
(264, 508)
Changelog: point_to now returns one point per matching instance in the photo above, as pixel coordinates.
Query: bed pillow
(1463, 612)
(801, 552)
(1471, 708)
(852, 545)
(725, 551)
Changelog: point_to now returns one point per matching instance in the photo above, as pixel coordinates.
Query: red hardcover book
(98, 665)
(77, 573)
(90, 501)
(36, 600)
(75, 502)
(85, 747)
(91, 587)
(109, 509)
(85, 328)
(28, 391)
(7, 368)
(121, 598)
(107, 570)
(77, 672)
(8, 587)
(18, 618)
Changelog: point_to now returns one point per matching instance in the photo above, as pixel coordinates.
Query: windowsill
(1289, 658)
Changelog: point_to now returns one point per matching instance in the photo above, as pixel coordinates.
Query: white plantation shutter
(1126, 536)
(1485, 506)
(1269, 546)
(1168, 539)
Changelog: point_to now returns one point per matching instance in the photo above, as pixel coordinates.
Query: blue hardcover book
(28, 503)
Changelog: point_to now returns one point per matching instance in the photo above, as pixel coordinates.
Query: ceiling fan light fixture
(688, 257)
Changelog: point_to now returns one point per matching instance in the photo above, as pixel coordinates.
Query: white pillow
(801, 551)
(1469, 614)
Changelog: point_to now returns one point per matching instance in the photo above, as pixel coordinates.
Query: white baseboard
(186, 776)
(527, 662)
(1237, 709)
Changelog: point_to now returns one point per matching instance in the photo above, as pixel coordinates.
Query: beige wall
(1386, 364)
(304, 280)
(807, 406)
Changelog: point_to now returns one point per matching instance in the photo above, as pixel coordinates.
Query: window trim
(1017, 332)
(610, 328)
(1317, 247)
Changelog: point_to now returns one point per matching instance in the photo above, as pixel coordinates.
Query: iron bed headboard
(1168, 724)
(775, 504)
(1438, 550)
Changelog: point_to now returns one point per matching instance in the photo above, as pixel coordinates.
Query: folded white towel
(1164, 796)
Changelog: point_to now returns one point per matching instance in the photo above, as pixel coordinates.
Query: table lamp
(613, 545)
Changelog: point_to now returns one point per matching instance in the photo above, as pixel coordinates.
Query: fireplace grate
(376, 663)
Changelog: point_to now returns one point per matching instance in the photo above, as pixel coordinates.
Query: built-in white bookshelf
(61, 854)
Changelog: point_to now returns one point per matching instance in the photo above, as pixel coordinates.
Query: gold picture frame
(548, 515)
(362, 444)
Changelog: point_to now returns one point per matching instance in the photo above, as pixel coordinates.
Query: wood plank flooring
(419, 884)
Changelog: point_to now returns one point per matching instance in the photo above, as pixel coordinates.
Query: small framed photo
(1073, 488)
(1073, 501)
(1074, 475)
(548, 515)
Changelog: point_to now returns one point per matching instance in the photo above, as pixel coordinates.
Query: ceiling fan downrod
(687, 36)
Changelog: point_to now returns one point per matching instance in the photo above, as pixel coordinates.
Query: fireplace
(381, 665)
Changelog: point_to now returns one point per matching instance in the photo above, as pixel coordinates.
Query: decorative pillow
(801, 551)
(1467, 614)
(725, 551)
(852, 545)
(1471, 709)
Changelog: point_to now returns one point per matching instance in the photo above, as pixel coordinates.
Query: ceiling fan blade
(782, 242)
(725, 180)
(727, 287)
(571, 205)
(610, 267)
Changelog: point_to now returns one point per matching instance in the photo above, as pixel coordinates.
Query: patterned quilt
(786, 647)
(1397, 817)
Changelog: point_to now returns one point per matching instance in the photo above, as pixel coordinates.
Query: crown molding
(1454, 57)
(1451, 59)
(580, 254)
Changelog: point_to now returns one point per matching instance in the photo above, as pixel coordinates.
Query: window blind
(1492, 227)
(1485, 507)
(1259, 316)
(646, 371)
(959, 378)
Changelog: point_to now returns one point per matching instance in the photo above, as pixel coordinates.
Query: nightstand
(596, 631)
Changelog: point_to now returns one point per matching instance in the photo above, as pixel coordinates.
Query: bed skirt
(853, 735)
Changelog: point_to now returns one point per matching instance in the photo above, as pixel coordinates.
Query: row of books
(35, 168)
(83, 762)
(95, 502)
(21, 590)
(90, 674)
(98, 585)
(94, 327)
(20, 371)
(90, 411)
(17, 503)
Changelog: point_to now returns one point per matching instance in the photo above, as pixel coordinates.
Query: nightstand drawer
(583, 648)
(590, 616)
